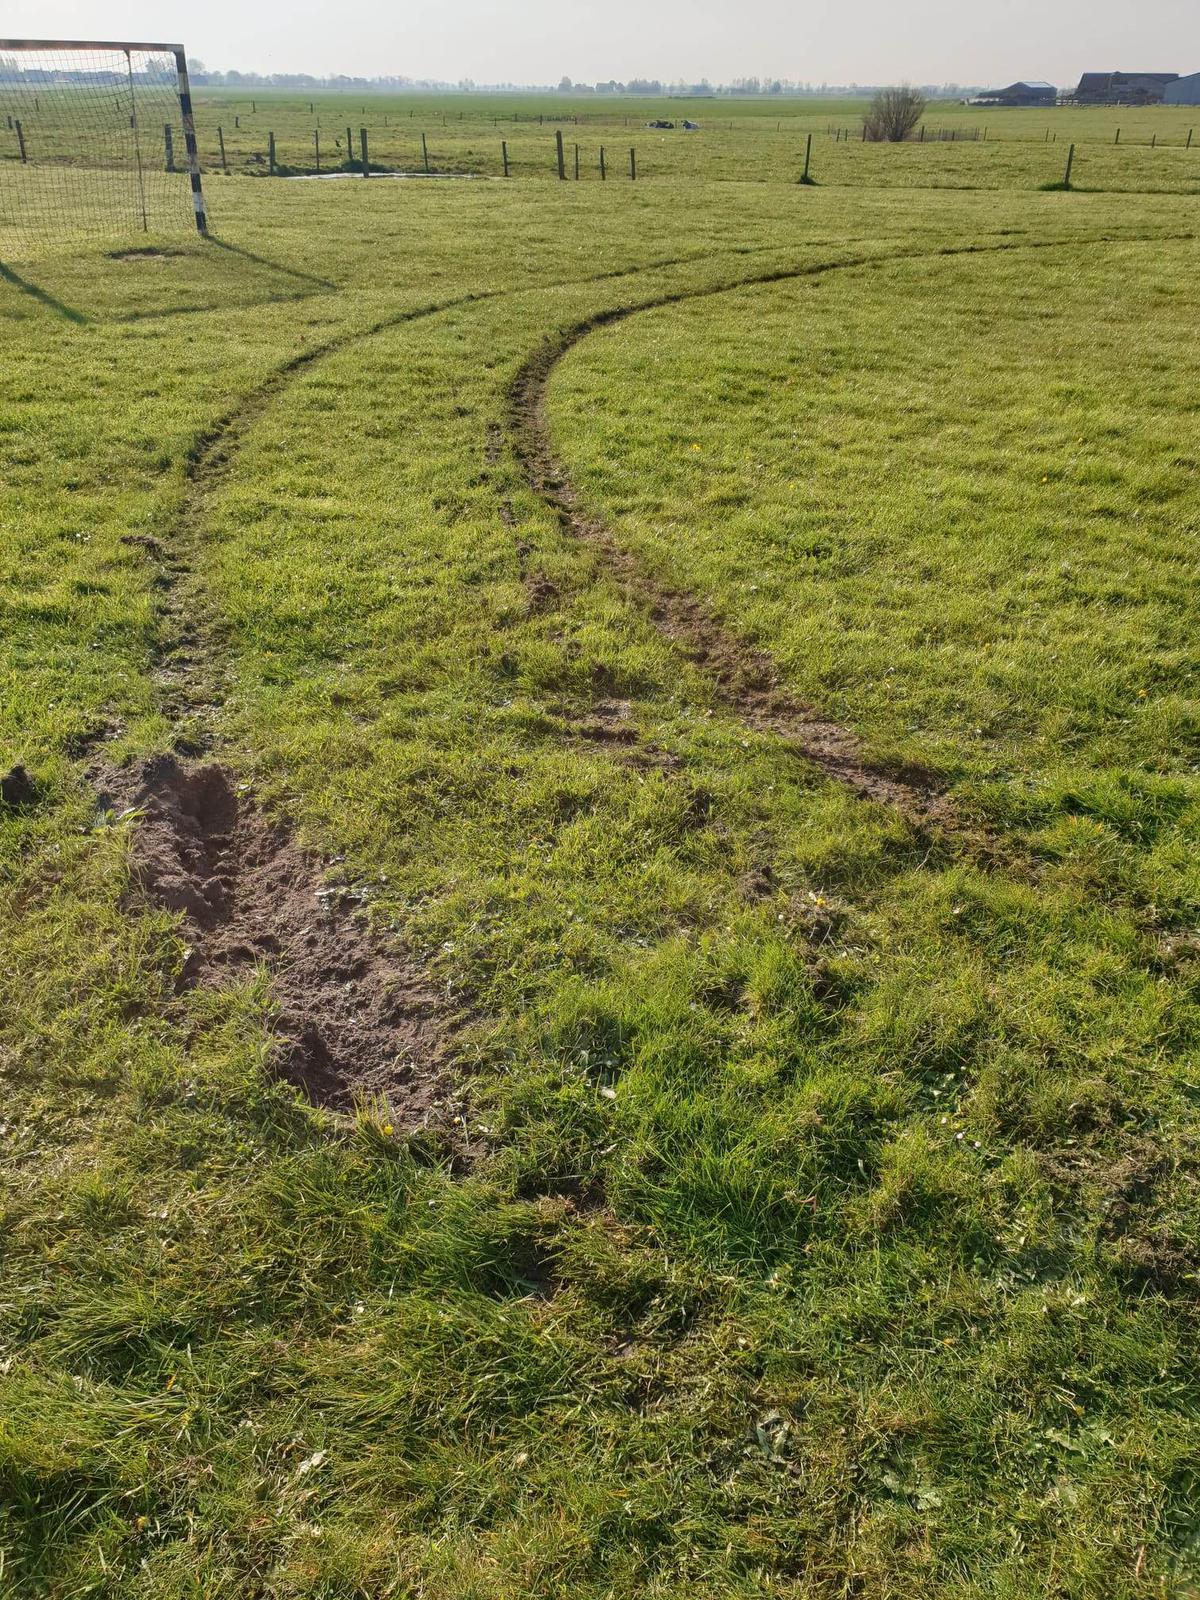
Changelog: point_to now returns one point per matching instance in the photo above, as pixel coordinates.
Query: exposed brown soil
(354, 1018)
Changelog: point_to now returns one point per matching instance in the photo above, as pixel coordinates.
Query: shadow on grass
(275, 266)
(47, 299)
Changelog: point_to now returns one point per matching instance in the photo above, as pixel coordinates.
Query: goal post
(96, 136)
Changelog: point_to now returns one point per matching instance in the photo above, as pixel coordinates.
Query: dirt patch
(355, 1018)
(541, 591)
(148, 253)
(608, 726)
(1126, 1192)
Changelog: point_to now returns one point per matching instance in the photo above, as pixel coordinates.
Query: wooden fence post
(21, 139)
(577, 161)
(221, 146)
(1070, 164)
(807, 159)
(558, 146)
(425, 154)
(504, 155)
(317, 146)
(1117, 140)
(603, 174)
(349, 148)
(1188, 145)
(271, 154)
(169, 145)
(632, 165)
(366, 160)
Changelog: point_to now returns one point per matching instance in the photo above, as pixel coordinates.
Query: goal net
(95, 139)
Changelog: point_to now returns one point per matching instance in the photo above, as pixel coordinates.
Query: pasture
(598, 870)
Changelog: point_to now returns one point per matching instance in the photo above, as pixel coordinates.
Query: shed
(1184, 91)
(1027, 92)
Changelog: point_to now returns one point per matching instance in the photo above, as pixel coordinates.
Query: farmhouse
(1028, 92)
(1184, 91)
(1123, 88)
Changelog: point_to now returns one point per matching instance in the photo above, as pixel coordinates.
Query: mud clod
(354, 1018)
(17, 789)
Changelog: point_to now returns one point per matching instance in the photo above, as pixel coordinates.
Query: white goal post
(96, 135)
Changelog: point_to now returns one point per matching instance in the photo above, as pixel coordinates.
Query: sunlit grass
(831, 1219)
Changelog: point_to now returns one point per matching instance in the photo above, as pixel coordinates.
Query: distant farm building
(1029, 92)
(1184, 91)
(1124, 88)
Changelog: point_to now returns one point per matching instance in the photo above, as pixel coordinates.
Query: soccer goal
(95, 138)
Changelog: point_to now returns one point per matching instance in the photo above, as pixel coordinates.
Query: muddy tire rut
(747, 678)
(356, 1016)
(353, 1018)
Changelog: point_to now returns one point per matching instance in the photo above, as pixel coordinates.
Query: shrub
(894, 114)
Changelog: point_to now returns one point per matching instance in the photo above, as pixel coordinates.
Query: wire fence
(91, 144)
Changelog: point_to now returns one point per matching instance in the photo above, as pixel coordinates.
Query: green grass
(724, 1304)
(738, 141)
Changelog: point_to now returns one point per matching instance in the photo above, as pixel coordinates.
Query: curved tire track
(748, 678)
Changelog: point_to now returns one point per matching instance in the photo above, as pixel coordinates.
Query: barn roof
(1033, 85)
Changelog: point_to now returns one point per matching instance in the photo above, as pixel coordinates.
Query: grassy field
(738, 642)
(736, 140)
(1121, 149)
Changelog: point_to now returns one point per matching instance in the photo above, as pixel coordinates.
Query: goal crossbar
(90, 44)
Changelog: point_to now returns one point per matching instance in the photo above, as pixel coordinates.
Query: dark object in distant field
(894, 114)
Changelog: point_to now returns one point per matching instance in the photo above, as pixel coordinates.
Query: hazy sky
(537, 41)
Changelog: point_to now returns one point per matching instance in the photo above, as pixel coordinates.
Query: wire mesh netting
(91, 144)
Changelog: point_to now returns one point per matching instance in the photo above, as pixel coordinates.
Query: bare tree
(894, 114)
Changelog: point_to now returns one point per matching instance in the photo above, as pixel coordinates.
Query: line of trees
(740, 88)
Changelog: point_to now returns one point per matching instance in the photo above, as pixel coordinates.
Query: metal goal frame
(126, 47)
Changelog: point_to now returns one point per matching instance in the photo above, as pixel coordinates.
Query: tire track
(355, 1015)
(747, 677)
